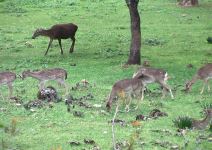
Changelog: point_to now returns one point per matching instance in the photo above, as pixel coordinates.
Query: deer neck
(46, 33)
(194, 79)
(34, 75)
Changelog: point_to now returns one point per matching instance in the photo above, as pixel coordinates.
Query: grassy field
(102, 47)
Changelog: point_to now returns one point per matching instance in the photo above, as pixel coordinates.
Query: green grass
(102, 47)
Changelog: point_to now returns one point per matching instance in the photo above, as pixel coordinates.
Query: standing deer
(152, 75)
(58, 31)
(43, 76)
(204, 73)
(8, 78)
(125, 89)
(202, 124)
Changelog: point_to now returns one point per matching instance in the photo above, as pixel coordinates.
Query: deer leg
(142, 97)
(127, 108)
(10, 88)
(72, 45)
(166, 87)
(2, 96)
(62, 82)
(208, 86)
(41, 85)
(164, 91)
(203, 87)
(59, 40)
(50, 43)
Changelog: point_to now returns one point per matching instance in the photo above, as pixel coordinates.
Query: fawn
(152, 75)
(204, 73)
(43, 76)
(125, 89)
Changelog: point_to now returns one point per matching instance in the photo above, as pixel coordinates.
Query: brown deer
(43, 76)
(152, 75)
(58, 31)
(8, 78)
(204, 73)
(202, 124)
(125, 89)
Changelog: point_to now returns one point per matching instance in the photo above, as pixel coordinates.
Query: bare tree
(134, 57)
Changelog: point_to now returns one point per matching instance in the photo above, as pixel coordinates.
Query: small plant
(209, 39)
(153, 42)
(183, 122)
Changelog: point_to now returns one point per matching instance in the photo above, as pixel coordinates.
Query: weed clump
(183, 122)
(153, 42)
(209, 39)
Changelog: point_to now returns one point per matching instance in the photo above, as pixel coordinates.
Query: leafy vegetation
(179, 37)
(183, 122)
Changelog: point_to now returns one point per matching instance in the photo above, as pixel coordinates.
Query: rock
(97, 105)
(76, 143)
(49, 94)
(89, 141)
(118, 121)
(78, 114)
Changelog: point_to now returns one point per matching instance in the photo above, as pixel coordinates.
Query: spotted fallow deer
(125, 89)
(152, 75)
(43, 76)
(204, 74)
(8, 78)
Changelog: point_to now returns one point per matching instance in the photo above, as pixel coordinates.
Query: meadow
(102, 47)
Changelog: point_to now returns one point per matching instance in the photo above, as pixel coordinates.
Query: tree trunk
(194, 2)
(134, 57)
(188, 3)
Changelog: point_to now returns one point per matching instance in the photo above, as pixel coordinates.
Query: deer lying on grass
(8, 78)
(125, 89)
(58, 31)
(202, 124)
(152, 75)
(43, 76)
(204, 73)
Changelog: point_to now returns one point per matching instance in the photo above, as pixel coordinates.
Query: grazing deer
(43, 76)
(202, 124)
(58, 31)
(8, 78)
(152, 75)
(125, 89)
(204, 73)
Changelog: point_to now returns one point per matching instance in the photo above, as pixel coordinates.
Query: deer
(202, 124)
(126, 88)
(8, 78)
(57, 74)
(204, 74)
(154, 75)
(58, 31)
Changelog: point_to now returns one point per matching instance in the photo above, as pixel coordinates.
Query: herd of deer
(123, 88)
